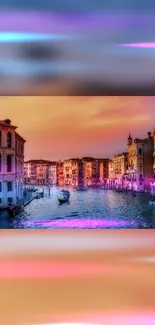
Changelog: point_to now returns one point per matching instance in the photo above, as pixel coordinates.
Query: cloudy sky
(64, 127)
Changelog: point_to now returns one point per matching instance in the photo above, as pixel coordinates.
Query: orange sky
(64, 127)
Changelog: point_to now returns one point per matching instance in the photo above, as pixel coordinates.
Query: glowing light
(140, 45)
(6, 37)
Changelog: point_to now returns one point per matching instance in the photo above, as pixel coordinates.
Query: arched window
(0, 138)
(9, 164)
(0, 162)
(9, 140)
(21, 149)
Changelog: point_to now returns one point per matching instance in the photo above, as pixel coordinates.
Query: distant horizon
(60, 128)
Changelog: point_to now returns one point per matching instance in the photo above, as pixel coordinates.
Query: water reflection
(90, 209)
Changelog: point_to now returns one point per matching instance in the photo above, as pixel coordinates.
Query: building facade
(91, 171)
(60, 173)
(11, 164)
(53, 174)
(111, 179)
(154, 155)
(42, 172)
(73, 172)
(140, 162)
(120, 166)
(68, 172)
(117, 169)
(36, 172)
(104, 172)
(30, 172)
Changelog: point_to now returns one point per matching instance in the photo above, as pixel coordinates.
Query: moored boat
(104, 188)
(81, 188)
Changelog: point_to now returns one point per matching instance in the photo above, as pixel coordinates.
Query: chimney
(149, 136)
(7, 121)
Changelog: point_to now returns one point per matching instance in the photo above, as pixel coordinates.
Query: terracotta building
(60, 173)
(91, 171)
(73, 172)
(104, 172)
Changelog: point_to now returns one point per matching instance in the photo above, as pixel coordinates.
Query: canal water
(92, 209)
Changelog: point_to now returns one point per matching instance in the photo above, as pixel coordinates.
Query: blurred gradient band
(90, 276)
(103, 51)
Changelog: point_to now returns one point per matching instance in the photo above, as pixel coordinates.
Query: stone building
(30, 172)
(117, 169)
(37, 172)
(104, 172)
(73, 172)
(91, 171)
(140, 162)
(60, 173)
(111, 179)
(11, 164)
(53, 173)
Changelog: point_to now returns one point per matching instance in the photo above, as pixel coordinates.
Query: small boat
(104, 188)
(63, 196)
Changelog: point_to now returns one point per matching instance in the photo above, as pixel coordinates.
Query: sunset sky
(65, 127)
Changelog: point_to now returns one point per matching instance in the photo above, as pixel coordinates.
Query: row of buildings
(133, 169)
(86, 171)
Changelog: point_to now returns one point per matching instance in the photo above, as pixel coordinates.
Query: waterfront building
(11, 164)
(111, 179)
(30, 172)
(53, 173)
(60, 173)
(140, 162)
(120, 165)
(73, 172)
(68, 172)
(154, 155)
(77, 172)
(104, 172)
(36, 172)
(42, 172)
(91, 171)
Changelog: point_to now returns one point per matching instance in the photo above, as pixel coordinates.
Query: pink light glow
(42, 270)
(140, 45)
(85, 223)
(140, 317)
